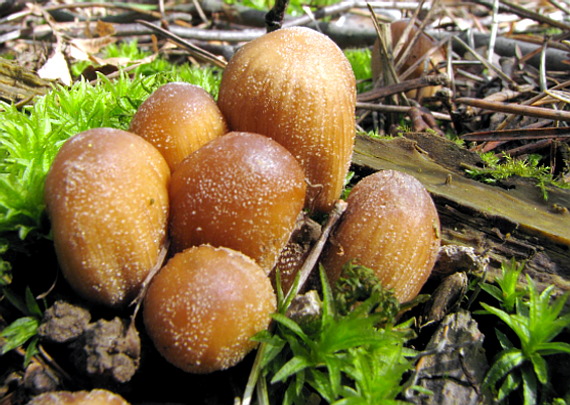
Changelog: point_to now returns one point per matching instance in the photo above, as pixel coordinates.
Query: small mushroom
(106, 195)
(296, 86)
(204, 306)
(243, 191)
(93, 397)
(390, 226)
(178, 118)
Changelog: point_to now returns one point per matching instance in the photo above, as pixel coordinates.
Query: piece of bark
(501, 223)
(445, 298)
(18, 84)
(454, 364)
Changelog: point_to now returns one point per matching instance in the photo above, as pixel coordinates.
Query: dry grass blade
(402, 56)
(485, 62)
(518, 134)
(381, 92)
(193, 49)
(518, 109)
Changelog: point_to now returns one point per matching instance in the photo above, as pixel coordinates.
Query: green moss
(30, 137)
(361, 65)
(504, 166)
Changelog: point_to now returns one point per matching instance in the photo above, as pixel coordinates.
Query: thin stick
(398, 109)
(137, 302)
(518, 134)
(314, 254)
(385, 91)
(494, 29)
(519, 109)
(193, 49)
(304, 272)
(485, 62)
(274, 18)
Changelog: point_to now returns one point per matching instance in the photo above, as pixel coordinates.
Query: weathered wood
(497, 222)
(18, 84)
(454, 365)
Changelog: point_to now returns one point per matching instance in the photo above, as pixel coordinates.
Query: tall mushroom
(107, 198)
(296, 86)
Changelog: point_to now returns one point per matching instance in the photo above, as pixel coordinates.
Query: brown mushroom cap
(203, 307)
(177, 119)
(107, 198)
(391, 226)
(242, 191)
(93, 397)
(296, 86)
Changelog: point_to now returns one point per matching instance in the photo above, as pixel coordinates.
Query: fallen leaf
(56, 68)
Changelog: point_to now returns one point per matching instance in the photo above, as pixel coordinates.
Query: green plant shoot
(536, 319)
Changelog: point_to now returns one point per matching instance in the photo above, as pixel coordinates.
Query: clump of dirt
(108, 351)
(64, 322)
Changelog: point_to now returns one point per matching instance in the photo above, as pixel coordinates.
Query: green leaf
(32, 306)
(550, 348)
(293, 366)
(493, 291)
(503, 340)
(516, 322)
(322, 383)
(540, 367)
(18, 333)
(530, 387)
(15, 300)
(505, 363)
(511, 382)
(291, 325)
(31, 350)
(328, 309)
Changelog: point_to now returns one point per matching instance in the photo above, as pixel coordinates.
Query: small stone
(39, 379)
(454, 364)
(455, 258)
(63, 322)
(305, 308)
(108, 351)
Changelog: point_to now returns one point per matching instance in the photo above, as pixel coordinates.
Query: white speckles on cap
(203, 307)
(177, 119)
(390, 225)
(242, 191)
(107, 237)
(296, 86)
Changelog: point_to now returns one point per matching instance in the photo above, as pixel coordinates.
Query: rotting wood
(501, 223)
(18, 84)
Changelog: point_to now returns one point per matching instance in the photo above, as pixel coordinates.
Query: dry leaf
(56, 68)
(104, 29)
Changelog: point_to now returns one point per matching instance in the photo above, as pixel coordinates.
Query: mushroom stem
(304, 273)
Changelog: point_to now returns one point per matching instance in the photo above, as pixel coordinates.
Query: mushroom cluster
(219, 187)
